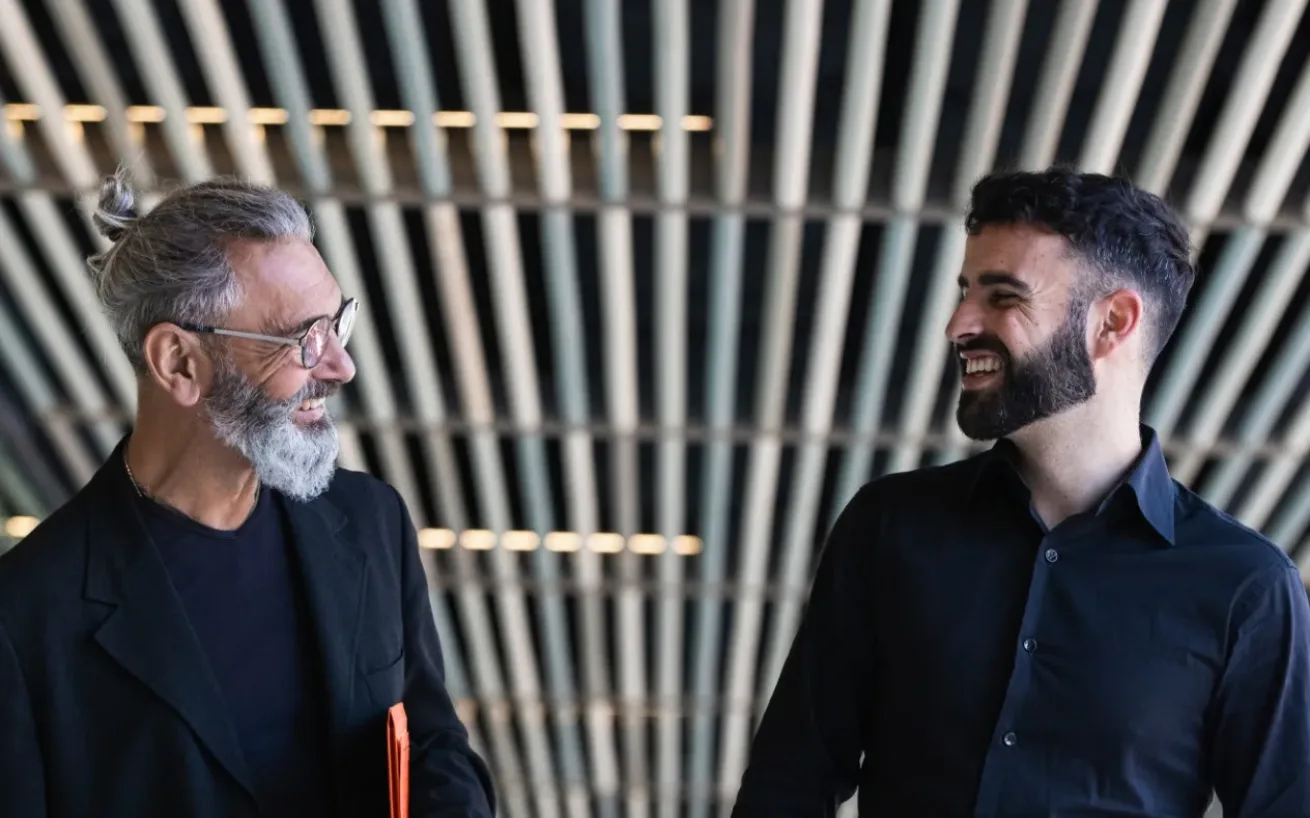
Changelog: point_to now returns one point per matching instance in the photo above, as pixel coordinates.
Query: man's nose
(336, 364)
(965, 323)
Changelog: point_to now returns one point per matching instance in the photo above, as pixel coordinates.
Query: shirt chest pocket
(1145, 675)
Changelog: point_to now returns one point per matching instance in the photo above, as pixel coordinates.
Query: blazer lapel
(147, 632)
(334, 573)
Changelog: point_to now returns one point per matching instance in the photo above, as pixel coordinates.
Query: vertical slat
(1123, 82)
(672, 89)
(1187, 80)
(513, 322)
(1246, 99)
(157, 71)
(213, 47)
(864, 68)
(537, 34)
(732, 134)
(796, 89)
(1064, 56)
(982, 134)
(24, 284)
(1205, 320)
(605, 63)
(919, 127)
(96, 72)
(1230, 376)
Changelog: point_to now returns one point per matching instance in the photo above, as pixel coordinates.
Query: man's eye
(1004, 298)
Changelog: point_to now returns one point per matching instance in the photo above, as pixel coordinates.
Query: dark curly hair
(1125, 235)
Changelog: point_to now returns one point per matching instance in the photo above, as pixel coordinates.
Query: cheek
(285, 383)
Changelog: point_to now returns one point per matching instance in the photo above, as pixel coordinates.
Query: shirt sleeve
(22, 776)
(447, 778)
(805, 757)
(1260, 760)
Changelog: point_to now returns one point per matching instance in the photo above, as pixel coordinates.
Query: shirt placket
(1006, 753)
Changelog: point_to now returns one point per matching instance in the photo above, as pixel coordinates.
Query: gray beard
(298, 461)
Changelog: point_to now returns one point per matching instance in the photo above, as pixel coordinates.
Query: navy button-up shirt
(959, 659)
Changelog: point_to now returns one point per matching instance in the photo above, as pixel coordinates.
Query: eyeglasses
(312, 342)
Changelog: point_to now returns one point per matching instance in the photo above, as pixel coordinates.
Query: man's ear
(177, 363)
(1116, 318)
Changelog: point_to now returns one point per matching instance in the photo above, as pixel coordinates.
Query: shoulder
(1242, 550)
(372, 508)
(354, 489)
(915, 492)
(47, 565)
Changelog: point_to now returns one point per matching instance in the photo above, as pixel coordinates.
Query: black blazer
(107, 706)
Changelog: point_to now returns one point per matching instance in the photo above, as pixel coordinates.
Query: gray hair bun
(117, 208)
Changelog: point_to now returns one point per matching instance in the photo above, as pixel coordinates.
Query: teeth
(976, 365)
(312, 404)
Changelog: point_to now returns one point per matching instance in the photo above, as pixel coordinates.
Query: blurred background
(650, 288)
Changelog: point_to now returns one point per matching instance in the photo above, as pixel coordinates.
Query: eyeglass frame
(334, 326)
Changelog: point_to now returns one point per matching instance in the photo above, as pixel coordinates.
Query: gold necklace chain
(142, 493)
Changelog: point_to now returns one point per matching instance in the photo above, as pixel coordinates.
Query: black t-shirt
(243, 597)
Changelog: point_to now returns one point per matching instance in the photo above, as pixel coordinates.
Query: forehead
(1036, 257)
(283, 281)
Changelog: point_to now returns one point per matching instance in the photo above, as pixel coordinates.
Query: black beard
(1051, 380)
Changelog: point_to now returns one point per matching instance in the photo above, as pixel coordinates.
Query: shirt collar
(1149, 481)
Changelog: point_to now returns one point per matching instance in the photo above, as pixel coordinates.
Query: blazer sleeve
(22, 774)
(805, 758)
(447, 778)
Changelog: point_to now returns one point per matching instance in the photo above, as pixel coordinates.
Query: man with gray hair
(220, 621)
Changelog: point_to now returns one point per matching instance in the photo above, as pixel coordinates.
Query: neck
(178, 462)
(1071, 462)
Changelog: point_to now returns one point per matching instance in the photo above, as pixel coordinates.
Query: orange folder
(398, 760)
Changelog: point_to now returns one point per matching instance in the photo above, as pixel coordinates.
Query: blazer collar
(147, 631)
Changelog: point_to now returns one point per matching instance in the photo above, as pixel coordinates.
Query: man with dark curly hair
(1054, 627)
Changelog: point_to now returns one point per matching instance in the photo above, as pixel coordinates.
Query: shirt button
(1052, 555)
(1010, 739)
(1030, 644)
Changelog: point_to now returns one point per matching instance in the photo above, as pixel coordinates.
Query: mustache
(985, 344)
(312, 390)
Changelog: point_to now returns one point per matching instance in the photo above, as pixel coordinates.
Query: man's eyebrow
(993, 278)
(288, 330)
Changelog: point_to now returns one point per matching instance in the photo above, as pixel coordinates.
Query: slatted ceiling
(557, 318)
